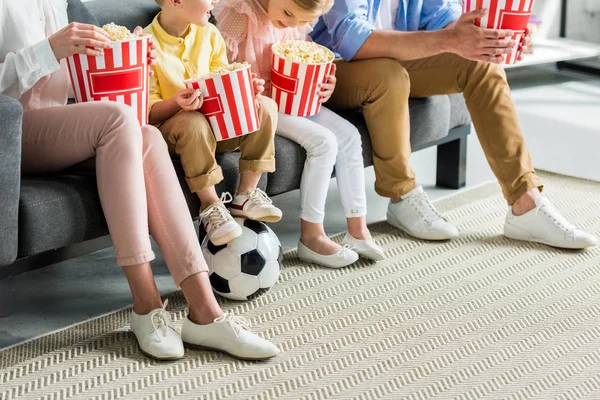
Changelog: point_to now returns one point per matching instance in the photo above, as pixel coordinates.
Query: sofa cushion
(56, 211)
(430, 119)
(10, 175)
(78, 12)
(129, 13)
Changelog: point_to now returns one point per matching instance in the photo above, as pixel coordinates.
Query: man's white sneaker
(156, 334)
(255, 204)
(218, 223)
(227, 334)
(415, 215)
(342, 258)
(366, 248)
(545, 224)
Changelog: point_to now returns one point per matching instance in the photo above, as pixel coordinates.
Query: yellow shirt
(200, 51)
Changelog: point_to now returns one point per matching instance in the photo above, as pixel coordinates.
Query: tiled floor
(559, 112)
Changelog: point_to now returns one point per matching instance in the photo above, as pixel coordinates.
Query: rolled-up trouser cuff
(136, 260)
(200, 182)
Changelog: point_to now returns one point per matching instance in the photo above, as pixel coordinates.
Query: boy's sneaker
(256, 205)
(218, 223)
(545, 224)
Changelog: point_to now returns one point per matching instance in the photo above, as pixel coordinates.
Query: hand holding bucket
(504, 14)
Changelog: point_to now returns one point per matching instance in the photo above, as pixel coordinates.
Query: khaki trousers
(188, 135)
(381, 87)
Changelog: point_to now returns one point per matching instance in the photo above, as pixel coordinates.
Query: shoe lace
(423, 206)
(342, 252)
(159, 321)
(236, 323)
(217, 214)
(258, 196)
(551, 212)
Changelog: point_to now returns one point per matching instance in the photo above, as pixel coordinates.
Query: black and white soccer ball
(245, 265)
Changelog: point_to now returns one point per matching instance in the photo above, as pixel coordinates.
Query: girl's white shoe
(227, 334)
(342, 258)
(366, 248)
(156, 334)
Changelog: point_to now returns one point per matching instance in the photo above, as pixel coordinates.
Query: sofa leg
(452, 164)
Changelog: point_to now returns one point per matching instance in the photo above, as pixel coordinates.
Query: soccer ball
(245, 265)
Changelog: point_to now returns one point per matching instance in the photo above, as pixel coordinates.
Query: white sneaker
(415, 215)
(218, 223)
(156, 334)
(545, 224)
(256, 205)
(366, 248)
(228, 334)
(342, 258)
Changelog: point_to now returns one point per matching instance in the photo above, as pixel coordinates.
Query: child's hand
(151, 46)
(525, 40)
(259, 88)
(189, 99)
(328, 87)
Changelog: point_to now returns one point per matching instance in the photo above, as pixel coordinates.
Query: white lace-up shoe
(156, 334)
(366, 248)
(256, 205)
(545, 224)
(342, 258)
(415, 215)
(218, 223)
(228, 334)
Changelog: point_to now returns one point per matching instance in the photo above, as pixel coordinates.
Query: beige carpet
(477, 317)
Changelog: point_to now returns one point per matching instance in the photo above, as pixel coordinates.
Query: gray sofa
(44, 219)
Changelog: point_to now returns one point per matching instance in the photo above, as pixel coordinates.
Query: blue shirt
(350, 22)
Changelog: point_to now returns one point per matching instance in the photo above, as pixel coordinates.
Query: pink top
(249, 35)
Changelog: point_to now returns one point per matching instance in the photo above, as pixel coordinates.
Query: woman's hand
(328, 87)
(189, 99)
(77, 38)
(151, 47)
(259, 88)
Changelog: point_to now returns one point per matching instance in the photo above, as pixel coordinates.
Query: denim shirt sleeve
(436, 14)
(348, 26)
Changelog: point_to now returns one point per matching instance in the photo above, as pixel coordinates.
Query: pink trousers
(138, 187)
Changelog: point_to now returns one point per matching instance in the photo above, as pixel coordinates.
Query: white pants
(330, 141)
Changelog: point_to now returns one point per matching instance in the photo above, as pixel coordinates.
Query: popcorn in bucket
(120, 75)
(297, 68)
(503, 14)
(228, 103)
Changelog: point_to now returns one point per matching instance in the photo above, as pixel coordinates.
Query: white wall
(583, 19)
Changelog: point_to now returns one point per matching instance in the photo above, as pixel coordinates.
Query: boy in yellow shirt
(187, 46)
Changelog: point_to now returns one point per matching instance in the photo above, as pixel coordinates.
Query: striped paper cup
(294, 85)
(228, 103)
(120, 75)
(504, 14)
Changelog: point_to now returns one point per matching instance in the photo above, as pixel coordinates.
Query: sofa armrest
(11, 118)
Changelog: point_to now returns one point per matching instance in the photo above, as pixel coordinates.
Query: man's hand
(259, 88)
(328, 87)
(189, 99)
(77, 38)
(480, 44)
(151, 47)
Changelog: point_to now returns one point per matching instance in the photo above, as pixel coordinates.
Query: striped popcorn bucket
(228, 103)
(120, 75)
(294, 85)
(503, 14)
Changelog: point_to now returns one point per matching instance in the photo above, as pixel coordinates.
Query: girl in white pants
(250, 28)
(330, 141)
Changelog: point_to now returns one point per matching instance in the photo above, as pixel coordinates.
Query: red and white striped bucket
(229, 103)
(120, 75)
(294, 85)
(503, 14)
